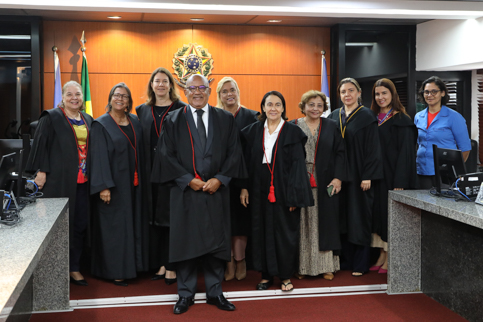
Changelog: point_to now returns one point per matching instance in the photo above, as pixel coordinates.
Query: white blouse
(270, 140)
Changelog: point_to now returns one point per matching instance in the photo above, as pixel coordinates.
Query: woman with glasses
(228, 95)
(162, 98)
(440, 125)
(326, 166)
(358, 127)
(120, 219)
(397, 135)
(279, 187)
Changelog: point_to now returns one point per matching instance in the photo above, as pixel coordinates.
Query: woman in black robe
(120, 223)
(326, 165)
(279, 186)
(228, 95)
(163, 97)
(397, 135)
(358, 126)
(59, 153)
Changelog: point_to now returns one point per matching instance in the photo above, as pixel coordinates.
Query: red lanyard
(162, 119)
(236, 113)
(313, 183)
(136, 177)
(75, 135)
(271, 195)
(197, 176)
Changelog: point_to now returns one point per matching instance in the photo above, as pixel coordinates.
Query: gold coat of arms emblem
(192, 59)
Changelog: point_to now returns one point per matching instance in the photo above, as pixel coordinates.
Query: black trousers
(354, 257)
(80, 226)
(187, 276)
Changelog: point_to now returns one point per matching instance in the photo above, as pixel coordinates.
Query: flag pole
(57, 80)
(324, 86)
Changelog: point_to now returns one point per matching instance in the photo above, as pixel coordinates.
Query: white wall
(444, 45)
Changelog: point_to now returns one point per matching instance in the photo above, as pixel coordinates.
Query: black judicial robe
(160, 215)
(398, 138)
(276, 230)
(54, 151)
(240, 215)
(330, 163)
(120, 238)
(199, 221)
(364, 163)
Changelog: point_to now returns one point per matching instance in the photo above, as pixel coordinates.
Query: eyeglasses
(201, 88)
(120, 96)
(431, 92)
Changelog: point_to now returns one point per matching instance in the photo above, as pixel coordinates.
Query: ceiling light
(197, 19)
(114, 17)
(274, 20)
(15, 56)
(14, 36)
(360, 44)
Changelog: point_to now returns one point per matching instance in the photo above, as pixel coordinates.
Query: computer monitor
(448, 166)
(8, 166)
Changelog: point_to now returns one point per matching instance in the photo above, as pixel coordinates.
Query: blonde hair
(221, 83)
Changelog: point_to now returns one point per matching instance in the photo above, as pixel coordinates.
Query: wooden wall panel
(262, 50)
(260, 58)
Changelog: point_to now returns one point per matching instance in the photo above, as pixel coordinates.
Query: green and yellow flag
(85, 85)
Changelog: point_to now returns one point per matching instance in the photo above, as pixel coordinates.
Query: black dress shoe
(264, 286)
(78, 282)
(183, 304)
(170, 281)
(120, 283)
(221, 302)
(157, 277)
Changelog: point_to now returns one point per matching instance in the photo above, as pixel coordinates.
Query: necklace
(310, 126)
(118, 120)
(67, 113)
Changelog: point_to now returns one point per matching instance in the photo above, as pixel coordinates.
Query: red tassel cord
(136, 178)
(271, 195)
(313, 184)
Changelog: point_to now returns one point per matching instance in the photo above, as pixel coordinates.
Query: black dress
(275, 230)
(398, 137)
(157, 195)
(120, 228)
(54, 151)
(364, 159)
(240, 215)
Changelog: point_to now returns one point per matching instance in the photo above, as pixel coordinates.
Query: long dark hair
(395, 104)
(263, 116)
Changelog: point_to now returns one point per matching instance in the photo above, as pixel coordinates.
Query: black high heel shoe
(157, 277)
(120, 283)
(264, 286)
(78, 282)
(169, 281)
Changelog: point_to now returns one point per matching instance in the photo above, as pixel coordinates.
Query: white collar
(278, 127)
(193, 110)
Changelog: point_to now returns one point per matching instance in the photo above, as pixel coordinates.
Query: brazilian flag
(85, 85)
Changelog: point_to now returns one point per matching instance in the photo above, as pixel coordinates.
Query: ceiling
(249, 12)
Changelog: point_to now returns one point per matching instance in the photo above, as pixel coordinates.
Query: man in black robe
(199, 153)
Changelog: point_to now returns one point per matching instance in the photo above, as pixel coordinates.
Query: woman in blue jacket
(440, 125)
